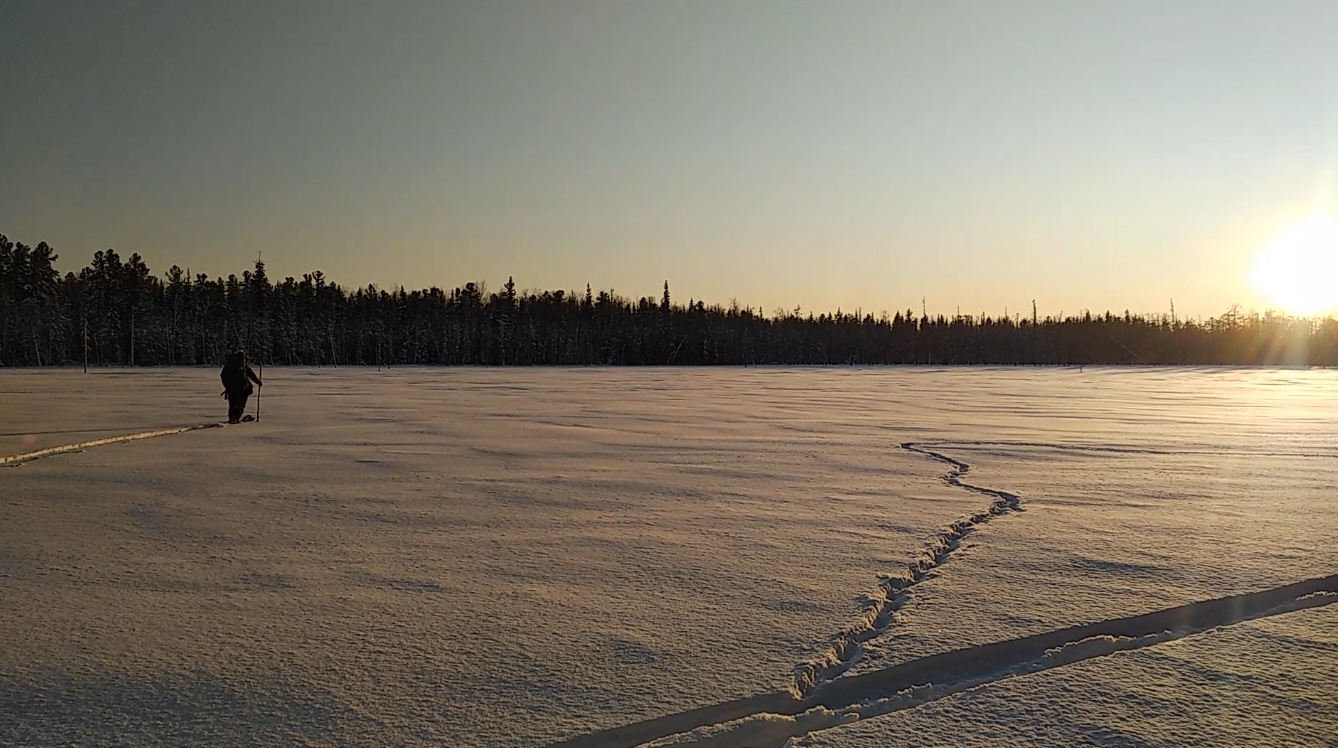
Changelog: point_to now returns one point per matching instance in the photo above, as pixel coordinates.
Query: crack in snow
(784, 710)
(846, 647)
(927, 679)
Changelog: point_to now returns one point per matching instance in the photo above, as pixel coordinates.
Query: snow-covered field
(731, 557)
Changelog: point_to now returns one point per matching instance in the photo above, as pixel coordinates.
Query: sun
(1299, 269)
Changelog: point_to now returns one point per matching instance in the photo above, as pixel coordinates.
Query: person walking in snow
(237, 377)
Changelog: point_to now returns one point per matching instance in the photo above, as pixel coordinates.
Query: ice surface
(496, 557)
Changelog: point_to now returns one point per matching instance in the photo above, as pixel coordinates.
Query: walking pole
(261, 389)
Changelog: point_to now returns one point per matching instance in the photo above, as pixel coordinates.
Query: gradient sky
(822, 154)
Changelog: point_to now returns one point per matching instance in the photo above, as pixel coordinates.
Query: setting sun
(1298, 269)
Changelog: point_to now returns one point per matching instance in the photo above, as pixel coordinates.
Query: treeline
(117, 312)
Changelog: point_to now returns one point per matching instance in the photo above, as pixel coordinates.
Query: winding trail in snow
(845, 648)
(820, 699)
(780, 716)
(79, 447)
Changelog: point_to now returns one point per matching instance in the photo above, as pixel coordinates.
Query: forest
(116, 312)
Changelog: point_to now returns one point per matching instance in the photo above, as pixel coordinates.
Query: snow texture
(726, 557)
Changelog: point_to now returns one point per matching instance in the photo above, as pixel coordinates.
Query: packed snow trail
(780, 716)
(844, 648)
(67, 448)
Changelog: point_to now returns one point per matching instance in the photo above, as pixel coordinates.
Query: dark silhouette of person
(237, 377)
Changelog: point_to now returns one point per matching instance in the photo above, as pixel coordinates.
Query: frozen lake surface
(722, 557)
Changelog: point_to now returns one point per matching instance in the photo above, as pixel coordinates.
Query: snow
(502, 557)
(1261, 683)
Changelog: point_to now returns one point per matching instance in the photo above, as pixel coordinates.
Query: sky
(967, 156)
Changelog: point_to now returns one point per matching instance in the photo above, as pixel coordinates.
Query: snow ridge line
(778, 717)
(67, 448)
(845, 647)
(1126, 450)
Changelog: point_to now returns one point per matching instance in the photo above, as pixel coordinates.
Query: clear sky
(821, 154)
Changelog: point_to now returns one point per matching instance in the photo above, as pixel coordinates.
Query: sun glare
(1299, 269)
